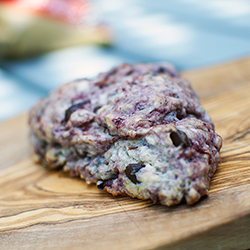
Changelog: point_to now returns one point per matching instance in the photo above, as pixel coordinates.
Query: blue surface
(188, 33)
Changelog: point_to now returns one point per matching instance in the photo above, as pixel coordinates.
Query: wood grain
(14, 145)
(42, 209)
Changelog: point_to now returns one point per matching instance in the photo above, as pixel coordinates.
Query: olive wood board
(41, 209)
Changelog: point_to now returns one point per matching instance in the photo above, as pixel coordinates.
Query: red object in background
(69, 10)
(32, 27)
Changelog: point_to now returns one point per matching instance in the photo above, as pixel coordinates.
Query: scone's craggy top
(136, 130)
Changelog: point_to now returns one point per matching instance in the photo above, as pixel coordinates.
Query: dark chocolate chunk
(165, 70)
(161, 70)
(175, 139)
(131, 170)
(96, 108)
(107, 183)
(73, 108)
(100, 185)
(179, 138)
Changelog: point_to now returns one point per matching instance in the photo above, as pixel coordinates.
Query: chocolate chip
(96, 108)
(162, 70)
(131, 170)
(175, 139)
(179, 115)
(179, 138)
(102, 184)
(73, 108)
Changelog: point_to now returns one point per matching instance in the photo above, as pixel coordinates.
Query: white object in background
(14, 99)
(59, 67)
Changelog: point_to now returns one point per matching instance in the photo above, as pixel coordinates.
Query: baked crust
(136, 130)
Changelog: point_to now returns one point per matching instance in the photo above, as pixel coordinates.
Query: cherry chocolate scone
(136, 130)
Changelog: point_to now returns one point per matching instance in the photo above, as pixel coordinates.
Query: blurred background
(45, 43)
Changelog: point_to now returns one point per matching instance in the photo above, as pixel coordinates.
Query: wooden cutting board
(49, 210)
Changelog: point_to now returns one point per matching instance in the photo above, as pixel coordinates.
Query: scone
(136, 130)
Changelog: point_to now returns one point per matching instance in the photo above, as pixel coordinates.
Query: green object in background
(24, 34)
